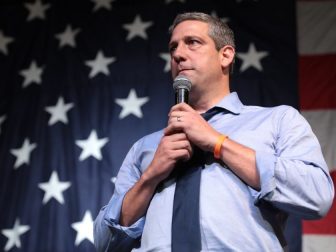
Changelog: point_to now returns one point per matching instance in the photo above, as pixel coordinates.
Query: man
(264, 162)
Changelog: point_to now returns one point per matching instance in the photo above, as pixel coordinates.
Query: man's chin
(186, 74)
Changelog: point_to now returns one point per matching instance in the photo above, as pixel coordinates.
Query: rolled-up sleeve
(109, 235)
(295, 178)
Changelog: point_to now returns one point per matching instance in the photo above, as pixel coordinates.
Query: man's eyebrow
(187, 37)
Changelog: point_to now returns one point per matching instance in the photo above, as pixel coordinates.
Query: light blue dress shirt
(233, 216)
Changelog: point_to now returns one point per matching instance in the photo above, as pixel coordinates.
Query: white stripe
(316, 27)
(323, 123)
(316, 243)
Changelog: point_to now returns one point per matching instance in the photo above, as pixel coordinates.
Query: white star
(99, 64)
(14, 234)
(166, 57)
(23, 154)
(91, 146)
(224, 19)
(67, 37)
(3, 42)
(131, 104)
(252, 58)
(2, 119)
(58, 112)
(32, 74)
(36, 10)
(102, 4)
(54, 188)
(137, 28)
(84, 228)
(170, 1)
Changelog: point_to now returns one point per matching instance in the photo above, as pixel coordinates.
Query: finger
(180, 136)
(183, 154)
(181, 145)
(184, 116)
(181, 107)
(173, 128)
(177, 117)
(177, 113)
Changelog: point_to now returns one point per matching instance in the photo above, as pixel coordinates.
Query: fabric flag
(82, 80)
(317, 85)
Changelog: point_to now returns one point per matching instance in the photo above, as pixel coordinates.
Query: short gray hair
(219, 31)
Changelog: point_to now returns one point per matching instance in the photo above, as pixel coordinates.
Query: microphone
(182, 86)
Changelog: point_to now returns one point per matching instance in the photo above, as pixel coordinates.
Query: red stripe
(325, 226)
(317, 82)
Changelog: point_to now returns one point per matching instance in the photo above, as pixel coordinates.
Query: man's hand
(172, 148)
(183, 118)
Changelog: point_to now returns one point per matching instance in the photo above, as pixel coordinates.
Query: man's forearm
(137, 200)
(242, 161)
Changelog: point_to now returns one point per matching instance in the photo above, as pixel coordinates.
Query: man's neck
(206, 101)
(203, 97)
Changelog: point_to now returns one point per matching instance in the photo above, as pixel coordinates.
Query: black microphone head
(182, 82)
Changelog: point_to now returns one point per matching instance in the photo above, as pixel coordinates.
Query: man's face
(194, 54)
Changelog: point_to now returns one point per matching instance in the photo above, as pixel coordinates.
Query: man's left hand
(184, 118)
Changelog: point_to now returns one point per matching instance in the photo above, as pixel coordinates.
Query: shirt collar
(231, 103)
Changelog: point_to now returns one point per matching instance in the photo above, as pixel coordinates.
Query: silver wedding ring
(178, 118)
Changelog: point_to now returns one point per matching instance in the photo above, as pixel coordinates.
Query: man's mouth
(183, 70)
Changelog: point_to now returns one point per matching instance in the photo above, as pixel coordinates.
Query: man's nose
(179, 54)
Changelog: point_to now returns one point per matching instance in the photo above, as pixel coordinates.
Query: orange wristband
(218, 145)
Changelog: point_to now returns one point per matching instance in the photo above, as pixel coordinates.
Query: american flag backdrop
(82, 80)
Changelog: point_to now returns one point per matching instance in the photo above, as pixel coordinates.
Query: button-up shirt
(233, 216)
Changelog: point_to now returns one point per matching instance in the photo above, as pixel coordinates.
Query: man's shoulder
(280, 109)
(276, 114)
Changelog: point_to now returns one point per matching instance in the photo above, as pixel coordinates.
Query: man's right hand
(171, 149)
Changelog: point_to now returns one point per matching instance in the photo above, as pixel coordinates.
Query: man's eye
(172, 49)
(193, 42)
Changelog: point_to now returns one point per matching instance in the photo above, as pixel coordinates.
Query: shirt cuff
(266, 163)
(112, 216)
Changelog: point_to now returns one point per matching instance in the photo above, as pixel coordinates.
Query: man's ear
(227, 54)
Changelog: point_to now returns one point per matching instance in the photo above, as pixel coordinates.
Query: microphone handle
(181, 95)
